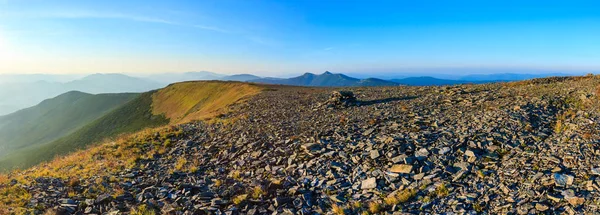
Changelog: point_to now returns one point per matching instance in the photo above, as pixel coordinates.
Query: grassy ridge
(188, 101)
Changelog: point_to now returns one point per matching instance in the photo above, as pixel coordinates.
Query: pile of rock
(341, 99)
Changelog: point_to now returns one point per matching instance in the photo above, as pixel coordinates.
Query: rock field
(508, 148)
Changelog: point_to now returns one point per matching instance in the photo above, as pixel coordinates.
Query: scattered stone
(541, 207)
(401, 168)
(563, 180)
(374, 154)
(369, 183)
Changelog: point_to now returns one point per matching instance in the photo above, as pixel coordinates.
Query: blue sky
(280, 38)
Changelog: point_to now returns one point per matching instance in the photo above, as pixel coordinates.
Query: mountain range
(22, 91)
(326, 79)
(18, 95)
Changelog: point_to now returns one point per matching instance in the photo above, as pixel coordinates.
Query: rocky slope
(519, 148)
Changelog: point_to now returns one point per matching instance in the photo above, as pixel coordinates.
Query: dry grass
(142, 210)
(13, 197)
(559, 125)
(240, 199)
(218, 183)
(391, 200)
(3, 179)
(258, 192)
(405, 195)
(236, 175)
(180, 164)
(374, 207)
(441, 191)
(337, 209)
(188, 101)
(95, 162)
(73, 182)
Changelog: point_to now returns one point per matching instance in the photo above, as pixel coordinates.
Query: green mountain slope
(55, 118)
(173, 104)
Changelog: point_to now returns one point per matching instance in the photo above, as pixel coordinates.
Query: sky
(278, 38)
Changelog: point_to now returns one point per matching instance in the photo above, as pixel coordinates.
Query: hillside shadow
(386, 100)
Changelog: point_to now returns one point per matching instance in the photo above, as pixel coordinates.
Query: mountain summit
(508, 148)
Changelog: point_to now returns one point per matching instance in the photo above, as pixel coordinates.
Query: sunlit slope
(187, 101)
(174, 104)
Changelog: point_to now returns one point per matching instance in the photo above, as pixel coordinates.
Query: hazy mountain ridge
(16, 96)
(54, 118)
(326, 79)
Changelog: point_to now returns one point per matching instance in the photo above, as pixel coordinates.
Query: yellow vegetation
(98, 162)
(374, 207)
(142, 210)
(257, 192)
(218, 183)
(391, 200)
(239, 199)
(188, 101)
(180, 164)
(337, 209)
(13, 196)
(236, 175)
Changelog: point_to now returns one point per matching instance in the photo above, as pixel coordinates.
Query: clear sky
(295, 36)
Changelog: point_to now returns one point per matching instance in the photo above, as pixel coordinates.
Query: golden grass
(441, 191)
(337, 209)
(218, 183)
(374, 207)
(236, 175)
(391, 200)
(188, 101)
(13, 196)
(142, 210)
(98, 161)
(240, 199)
(180, 164)
(257, 192)
(3, 179)
(405, 195)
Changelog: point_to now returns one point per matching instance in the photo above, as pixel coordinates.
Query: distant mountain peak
(326, 79)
